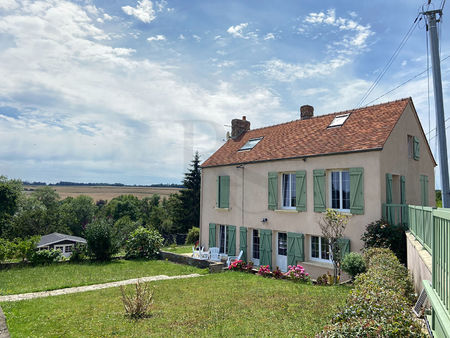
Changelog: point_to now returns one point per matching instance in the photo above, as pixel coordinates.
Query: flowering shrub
(277, 273)
(237, 266)
(297, 273)
(264, 271)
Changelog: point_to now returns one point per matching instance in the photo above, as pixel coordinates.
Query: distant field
(107, 193)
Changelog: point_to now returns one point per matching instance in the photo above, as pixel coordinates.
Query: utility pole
(439, 104)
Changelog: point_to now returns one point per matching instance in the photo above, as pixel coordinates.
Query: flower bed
(295, 273)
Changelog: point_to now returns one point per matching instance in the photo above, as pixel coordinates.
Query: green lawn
(226, 304)
(179, 249)
(57, 276)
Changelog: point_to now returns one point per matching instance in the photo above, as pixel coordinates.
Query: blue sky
(125, 90)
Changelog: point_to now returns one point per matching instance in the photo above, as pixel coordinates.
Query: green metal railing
(421, 225)
(395, 214)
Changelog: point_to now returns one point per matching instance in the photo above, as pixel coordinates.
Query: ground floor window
(59, 247)
(223, 239)
(320, 248)
(282, 243)
(255, 245)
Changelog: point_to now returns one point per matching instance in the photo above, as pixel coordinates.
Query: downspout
(200, 241)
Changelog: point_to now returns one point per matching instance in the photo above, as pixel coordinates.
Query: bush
(264, 271)
(380, 234)
(100, 240)
(138, 305)
(143, 243)
(380, 303)
(79, 253)
(45, 257)
(353, 264)
(297, 273)
(193, 235)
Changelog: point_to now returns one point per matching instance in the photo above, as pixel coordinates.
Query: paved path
(24, 296)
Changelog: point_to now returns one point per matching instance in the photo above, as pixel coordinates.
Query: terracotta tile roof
(365, 129)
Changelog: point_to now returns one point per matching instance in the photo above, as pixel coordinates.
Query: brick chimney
(306, 112)
(239, 127)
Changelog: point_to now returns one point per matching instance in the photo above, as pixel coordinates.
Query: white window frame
(291, 176)
(320, 259)
(59, 247)
(256, 261)
(225, 251)
(330, 190)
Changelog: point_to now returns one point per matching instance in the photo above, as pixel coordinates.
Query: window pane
(325, 249)
(255, 244)
(285, 190)
(222, 247)
(293, 196)
(282, 243)
(315, 247)
(345, 190)
(335, 192)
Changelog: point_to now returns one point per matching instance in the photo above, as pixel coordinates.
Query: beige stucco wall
(394, 160)
(249, 189)
(419, 262)
(253, 207)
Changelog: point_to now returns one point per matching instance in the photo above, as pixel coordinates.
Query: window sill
(320, 264)
(289, 211)
(222, 209)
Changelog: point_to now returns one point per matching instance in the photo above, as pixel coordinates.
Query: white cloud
(8, 4)
(143, 11)
(181, 37)
(107, 17)
(158, 37)
(238, 31)
(196, 37)
(269, 36)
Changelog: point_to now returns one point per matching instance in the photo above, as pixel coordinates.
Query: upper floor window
(410, 146)
(250, 144)
(340, 190)
(288, 191)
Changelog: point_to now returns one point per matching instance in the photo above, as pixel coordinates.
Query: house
(62, 242)
(265, 190)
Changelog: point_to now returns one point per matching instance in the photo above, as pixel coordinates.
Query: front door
(282, 251)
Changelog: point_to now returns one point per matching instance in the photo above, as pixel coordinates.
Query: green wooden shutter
(231, 240)
(300, 190)
(265, 247)
(319, 190)
(218, 192)
(344, 244)
(357, 191)
(243, 242)
(296, 248)
(424, 189)
(224, 191)
(212, 235)
(273, 190)
(402, 190)
(388, 188)
(416, 148)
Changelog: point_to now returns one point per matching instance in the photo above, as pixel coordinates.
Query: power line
(402, 84)
(448, 118)
(391, 60)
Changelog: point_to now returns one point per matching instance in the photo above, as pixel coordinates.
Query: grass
(58, 276)
(179, 249)
(226, 304)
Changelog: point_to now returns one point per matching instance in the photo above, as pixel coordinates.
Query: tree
(333, 225)
(190, 197)
(100, 241)
(123, 205)
(76, 213)
(10, 195)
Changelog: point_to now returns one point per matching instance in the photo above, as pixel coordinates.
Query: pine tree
(190, 196)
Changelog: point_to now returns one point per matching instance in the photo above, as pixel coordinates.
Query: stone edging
(4, 333)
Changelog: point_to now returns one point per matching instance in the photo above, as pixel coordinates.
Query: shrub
(143, 243)
(353, 264)
(137, 305)
(100, 240)
(277, 273)
(326, 279)
(79, 253)
(379, 305)
(380, 234)
(23, 248)
(264, 271)
(297, 273)
(45, 257)
(237, 266)
(193, 235)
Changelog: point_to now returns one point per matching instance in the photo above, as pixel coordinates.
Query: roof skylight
(250, 143)
(339, 120)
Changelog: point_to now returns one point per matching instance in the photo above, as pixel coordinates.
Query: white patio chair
(231, 259)
(214, 254)
(195, 253)
(203, 254)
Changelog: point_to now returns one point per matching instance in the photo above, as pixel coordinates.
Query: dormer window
(339, 120)
(251, 143)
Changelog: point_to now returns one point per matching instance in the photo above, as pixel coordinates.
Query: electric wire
(428, 82)
(407, 81)
(391, 60)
